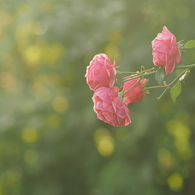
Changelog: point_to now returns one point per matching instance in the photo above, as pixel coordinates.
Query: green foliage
(175, 90)
(159, 76)
(189, 44)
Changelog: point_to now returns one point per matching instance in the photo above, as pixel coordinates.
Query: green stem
(141, 75)
(185, 66)
(154, 87)
(149, 70)
(184, 48)
(152, 71)
(134, 77)
(177, 77)
(162, 94)
(168, 86)
(132, 87)
(124, 72)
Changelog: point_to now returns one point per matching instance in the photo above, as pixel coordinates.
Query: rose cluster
(110, 105)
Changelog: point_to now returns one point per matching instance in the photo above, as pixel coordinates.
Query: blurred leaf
(175, 91)
(159, 76)
(180, 44)
(190, 44)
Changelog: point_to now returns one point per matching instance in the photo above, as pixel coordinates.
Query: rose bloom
(165, 51)
(136, 94)
(110, 108)
(100, 72)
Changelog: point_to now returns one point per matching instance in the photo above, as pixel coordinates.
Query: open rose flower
(100, 72)
(165, 51)
(110, 108)
(135, 94)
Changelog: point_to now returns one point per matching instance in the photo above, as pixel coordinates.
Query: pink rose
(110, 108)
(136, 93)
(165, 51)
(100, 72)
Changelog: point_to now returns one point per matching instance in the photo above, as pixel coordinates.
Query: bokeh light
(104, 142)
(175, 181)
(29, 135)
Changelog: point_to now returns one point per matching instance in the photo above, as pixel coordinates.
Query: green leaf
(190, 44)
(175, 90)
(159, 76)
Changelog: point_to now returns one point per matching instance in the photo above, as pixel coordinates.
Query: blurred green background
(51, 142)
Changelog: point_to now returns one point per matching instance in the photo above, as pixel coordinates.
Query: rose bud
(100, 72)
(110, 108)
(165, 51)
(136, 94)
